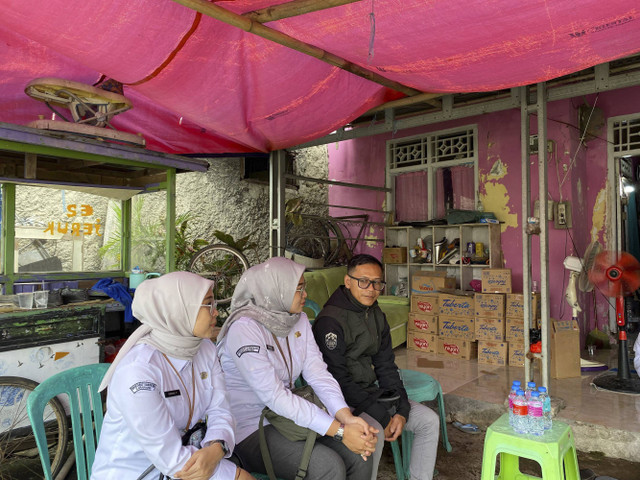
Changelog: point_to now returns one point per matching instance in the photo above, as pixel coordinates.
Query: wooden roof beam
(293, 9)
(251, 26)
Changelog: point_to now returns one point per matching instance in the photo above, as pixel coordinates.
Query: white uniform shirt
(255, 375)
(147, 412)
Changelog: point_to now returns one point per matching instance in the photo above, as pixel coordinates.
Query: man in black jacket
(355, 340)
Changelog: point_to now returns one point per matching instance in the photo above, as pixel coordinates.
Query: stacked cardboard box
(491, 316)
(514, 333)
(456, 326)
(422, 329)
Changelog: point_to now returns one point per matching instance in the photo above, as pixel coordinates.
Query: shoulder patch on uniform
(331, 340)
(248, 349)
(149, 386)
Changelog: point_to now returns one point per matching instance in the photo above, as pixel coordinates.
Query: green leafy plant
(148, 239)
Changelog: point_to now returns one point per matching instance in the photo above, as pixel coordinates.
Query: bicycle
(326, 238)
(222, 264)
(18, 451)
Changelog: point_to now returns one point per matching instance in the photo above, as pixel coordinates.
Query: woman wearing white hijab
(165, 379)
(264, 345)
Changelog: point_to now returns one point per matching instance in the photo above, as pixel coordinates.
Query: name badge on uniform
(172, 393)
(270, 348)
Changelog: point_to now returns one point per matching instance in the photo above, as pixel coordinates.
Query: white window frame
(429, 161)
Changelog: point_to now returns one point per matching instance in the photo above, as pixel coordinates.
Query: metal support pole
(544, 234)
(125, 236)
(525, 131)
(170, 241)
(277, 169)
(8, 235)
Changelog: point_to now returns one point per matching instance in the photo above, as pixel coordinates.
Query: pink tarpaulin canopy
(199, 85)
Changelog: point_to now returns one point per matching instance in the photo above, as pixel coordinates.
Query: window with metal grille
(626, 135)
(421, 150)
(433, 173)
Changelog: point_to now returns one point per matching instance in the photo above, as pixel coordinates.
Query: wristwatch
(340, 433)
(222, 443)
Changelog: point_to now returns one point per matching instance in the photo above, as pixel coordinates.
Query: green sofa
(322, 283)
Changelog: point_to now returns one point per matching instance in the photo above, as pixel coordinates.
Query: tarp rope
(372, 35)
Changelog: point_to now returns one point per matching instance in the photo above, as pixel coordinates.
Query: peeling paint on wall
(498, 171)
(599, 214)
(373, 232)
(496, 200)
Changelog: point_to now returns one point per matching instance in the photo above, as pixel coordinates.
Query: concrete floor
(602, 421)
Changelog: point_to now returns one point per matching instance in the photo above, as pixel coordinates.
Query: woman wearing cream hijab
(166, 379)
(264, 346)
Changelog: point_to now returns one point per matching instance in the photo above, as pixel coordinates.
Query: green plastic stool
(420, 387)
(554, 451)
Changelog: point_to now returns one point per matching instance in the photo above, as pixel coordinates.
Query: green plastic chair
(554, 451)
(420, 387)
(80, 384)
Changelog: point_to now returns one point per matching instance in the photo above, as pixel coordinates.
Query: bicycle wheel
(19, 457)
(222, 264)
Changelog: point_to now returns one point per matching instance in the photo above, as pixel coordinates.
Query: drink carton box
(422, 342)
(514, 329)
(496, 280)
(423, 323)
(458, 348)
(456, 327)
(425, 304)
(428, 282)
(490, 329)
(453, 305)
(394, 255)
(516, 354)
(515, 305)
(565, 349)
(492, 353)
(490, 305)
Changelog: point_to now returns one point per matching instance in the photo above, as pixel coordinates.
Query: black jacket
(355, 342)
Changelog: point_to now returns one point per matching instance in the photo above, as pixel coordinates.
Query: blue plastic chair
(80, 384)
(420, 387)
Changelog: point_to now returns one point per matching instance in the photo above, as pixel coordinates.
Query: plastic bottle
(536, 419)
(520, 413)
(546, 407)
(531, 387)
(512, 394)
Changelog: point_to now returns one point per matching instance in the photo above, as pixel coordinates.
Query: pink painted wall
(576, 173)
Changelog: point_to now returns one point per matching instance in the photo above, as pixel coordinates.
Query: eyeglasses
(301, 288)
(211, 306)
(363, 283)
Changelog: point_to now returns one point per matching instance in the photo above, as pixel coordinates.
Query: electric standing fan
(617, 274)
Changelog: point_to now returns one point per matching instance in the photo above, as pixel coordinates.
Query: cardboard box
(565, 349)
(456, 327)
(514, 329)
(516, 354)
(492, 353)
(490, 329)
(457, 348)
(427, 282)
(422, 342)
(394, 255)
(456, 305)
(515, 305)
(490, 305)
(419, 322)
(425, 304)
(496, 280)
